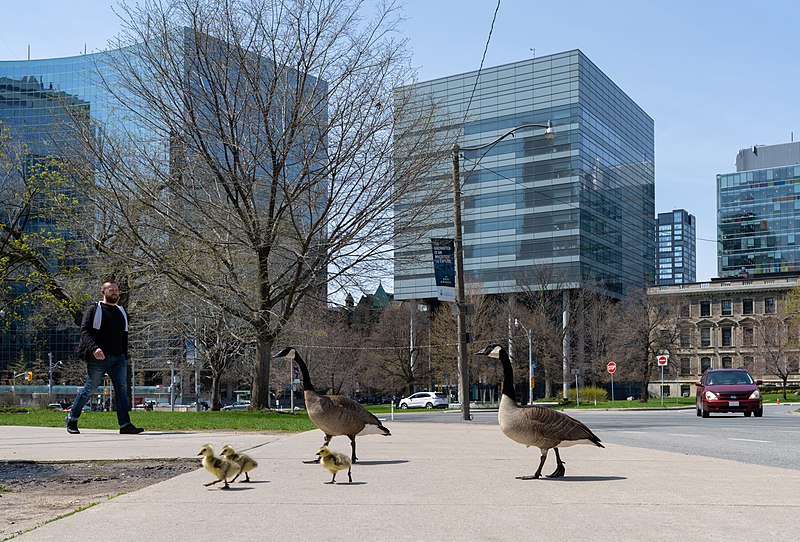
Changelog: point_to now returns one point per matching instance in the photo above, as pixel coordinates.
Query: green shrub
(588, 393)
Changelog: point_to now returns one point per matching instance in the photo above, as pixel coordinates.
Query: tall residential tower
(676, 253)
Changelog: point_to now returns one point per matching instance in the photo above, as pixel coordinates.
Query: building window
(686, 367)
(705, 308)
(686, 337)
(769, 305)
(747, 336)
(727, 307)
(684, 310)
(748, 363)
(727, 362)
(705, 337)
(727, 336)
(686, 389)
(747, 306)
(705, 364)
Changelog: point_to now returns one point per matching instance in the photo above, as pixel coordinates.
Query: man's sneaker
(130, 429)
(72, 426)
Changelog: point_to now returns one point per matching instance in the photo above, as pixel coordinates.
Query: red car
(728, 390)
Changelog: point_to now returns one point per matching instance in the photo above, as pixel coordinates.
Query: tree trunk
(260, 395)
(214, 391)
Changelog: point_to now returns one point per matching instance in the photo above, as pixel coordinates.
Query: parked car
(728, 390)
(424, 399)
(203, 405)
(238, 405)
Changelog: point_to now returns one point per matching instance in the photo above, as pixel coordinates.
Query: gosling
(218, 466)
(244, 461)
(334, 462)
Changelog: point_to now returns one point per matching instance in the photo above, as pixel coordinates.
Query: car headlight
(755, 395)
(711, 396)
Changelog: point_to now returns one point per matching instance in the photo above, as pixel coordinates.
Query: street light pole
(519, 324)
(461, 308)
(463, 362)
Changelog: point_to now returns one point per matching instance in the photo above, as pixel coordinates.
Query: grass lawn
(243, 420)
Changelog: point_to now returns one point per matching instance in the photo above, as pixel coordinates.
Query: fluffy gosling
(218, 466)
(244, 461)
(334, 462)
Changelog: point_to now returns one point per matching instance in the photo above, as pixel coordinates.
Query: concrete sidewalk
(427, 481)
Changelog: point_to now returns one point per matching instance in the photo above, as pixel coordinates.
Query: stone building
(729, 323)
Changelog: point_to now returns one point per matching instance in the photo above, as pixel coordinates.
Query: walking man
(104, 346)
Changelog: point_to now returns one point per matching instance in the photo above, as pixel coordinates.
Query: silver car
(424, 399)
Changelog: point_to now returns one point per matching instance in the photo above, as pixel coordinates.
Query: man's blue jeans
(117, 370)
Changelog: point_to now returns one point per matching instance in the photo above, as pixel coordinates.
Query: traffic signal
(29, 376)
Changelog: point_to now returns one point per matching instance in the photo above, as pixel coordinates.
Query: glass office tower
(758, 212)
(676, 253)
(38, 101)
(580, 206)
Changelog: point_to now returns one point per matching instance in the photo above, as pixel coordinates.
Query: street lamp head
(516, 323)
(550, 134)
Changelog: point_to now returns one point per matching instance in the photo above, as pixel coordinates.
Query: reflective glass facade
(758, 218)
(34, 98)
(581, 204)
(676, 259)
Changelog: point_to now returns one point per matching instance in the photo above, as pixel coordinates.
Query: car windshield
(731, 378)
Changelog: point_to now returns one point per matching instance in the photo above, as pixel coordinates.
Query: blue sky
(716, 76)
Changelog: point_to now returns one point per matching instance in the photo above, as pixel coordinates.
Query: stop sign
(611, 367)
(662, 360)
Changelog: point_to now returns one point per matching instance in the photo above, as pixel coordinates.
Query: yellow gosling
(218, 466)
(334, 462)
(243, 461)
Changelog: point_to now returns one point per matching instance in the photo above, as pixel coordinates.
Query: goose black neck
(508, 376)
(307, 386)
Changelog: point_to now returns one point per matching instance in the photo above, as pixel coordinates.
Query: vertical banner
(444, 268)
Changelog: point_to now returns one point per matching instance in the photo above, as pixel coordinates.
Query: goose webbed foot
(529, 477)
(559, 472)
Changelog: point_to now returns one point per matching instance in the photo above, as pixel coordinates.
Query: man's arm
(86, 330)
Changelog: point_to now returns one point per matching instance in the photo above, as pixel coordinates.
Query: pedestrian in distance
(104, 347)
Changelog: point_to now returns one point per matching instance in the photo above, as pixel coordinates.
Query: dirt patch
(32, 493)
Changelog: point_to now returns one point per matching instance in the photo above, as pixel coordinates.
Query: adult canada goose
(243, 461)
(334, 462)
(533, 425)
(334, 414)
(218, 466)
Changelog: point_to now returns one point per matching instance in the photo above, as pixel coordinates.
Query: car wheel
(698, 410)
(403, 406)
(703, 412)
(429, 406)
(759, 412)
(747, 414)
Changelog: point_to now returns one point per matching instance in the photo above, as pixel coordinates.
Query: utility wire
(483, 59)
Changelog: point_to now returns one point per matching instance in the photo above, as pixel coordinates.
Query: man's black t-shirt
(111, 337)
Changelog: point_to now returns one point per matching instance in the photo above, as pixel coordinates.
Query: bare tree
(777, 344)
(644, 327)
(250, 159)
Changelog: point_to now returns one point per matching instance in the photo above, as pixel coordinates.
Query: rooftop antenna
(533, 51)
(29, 51)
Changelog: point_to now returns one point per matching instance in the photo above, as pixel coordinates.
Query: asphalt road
(771, 440)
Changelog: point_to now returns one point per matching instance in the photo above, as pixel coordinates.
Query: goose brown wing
(352, 410)
(556, 425)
